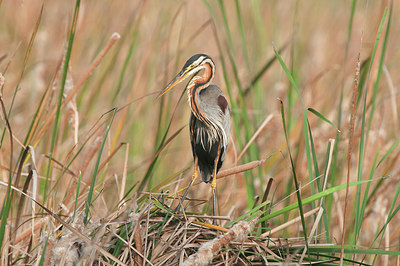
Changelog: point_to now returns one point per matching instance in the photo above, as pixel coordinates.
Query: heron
(209, 124)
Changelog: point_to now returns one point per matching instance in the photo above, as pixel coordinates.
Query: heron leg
(194, 177)
(214, 184)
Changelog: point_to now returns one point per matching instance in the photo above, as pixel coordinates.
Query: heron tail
(206, 171)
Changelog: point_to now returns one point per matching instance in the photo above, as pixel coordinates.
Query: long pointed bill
(178, 78)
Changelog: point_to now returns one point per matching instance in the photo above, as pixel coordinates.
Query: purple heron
(209, 121)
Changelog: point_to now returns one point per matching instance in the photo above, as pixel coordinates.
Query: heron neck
(198, 84)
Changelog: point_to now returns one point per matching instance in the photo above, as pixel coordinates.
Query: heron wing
(213, 103)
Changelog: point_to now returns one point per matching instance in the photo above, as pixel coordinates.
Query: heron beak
(183, 74)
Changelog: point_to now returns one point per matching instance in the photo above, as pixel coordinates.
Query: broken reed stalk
(241, 168)
(232, 171)
(206, 252)
(138, 243)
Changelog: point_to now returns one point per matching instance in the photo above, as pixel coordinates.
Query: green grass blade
(5, 210)
(291, 79)
(322, 117)
(61, 94)
(296, 183)
(226, 24)
(41, 261)
(350, 249)
(324, 205)
(358, 219)
(391, 214)
(379, 74)
(78, 186)
(319, 181)
(388, 152)
(263, 70)
(308, 152)
(243, 38)
(161, 146)
(250, 187)
(338, 157)
(248, 215)
(93, 182)
(306, 139)
(336, 258)
(363, 78)
(126, 63)
(312, 198)
(307, 145)
(366, 192)
(150, 169)
(350, 27)
(27, 54)
(314, 158)
(379, 163)
(253, 150)
(294, 57)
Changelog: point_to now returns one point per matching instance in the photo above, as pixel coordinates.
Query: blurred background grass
(157, 37)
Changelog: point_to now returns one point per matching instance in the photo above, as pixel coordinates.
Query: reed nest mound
(149, 232)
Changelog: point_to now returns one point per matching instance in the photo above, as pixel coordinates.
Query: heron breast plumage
(206, 136)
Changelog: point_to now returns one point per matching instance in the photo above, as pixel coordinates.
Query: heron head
(193, 65)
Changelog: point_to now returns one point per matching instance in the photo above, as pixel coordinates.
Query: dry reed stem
(176, 133)
(28, 232)
(11, 57)
(42, 107)
(95, 147)
(212, 226)
(350, 148)
(13, 195)
(77, 233)
(255, 135)
(125, 173)
(195, 34)
(139, 73)
(393, 92)
(72, 109)
(2, 81)
(96, 133)
(114, 37)
(321, 209)
(106, 161)
(375, 63)
(21, 204)
(289, 223)
(63, 167)
(199, 216)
